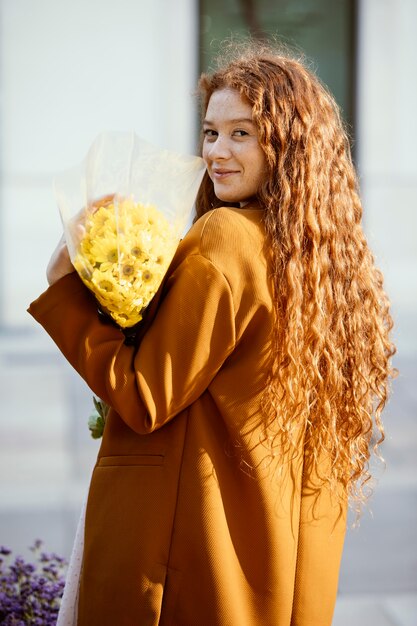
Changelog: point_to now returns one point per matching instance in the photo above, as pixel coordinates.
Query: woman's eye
(241, 133)
(209, 132)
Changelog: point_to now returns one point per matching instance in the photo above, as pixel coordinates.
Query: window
(323, 29)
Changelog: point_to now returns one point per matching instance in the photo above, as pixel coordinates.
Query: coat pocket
(131, 459)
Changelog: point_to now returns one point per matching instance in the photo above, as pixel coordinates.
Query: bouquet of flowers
(123, 256)
(124, 211)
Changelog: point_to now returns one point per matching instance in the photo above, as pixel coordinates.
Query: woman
(241, 420)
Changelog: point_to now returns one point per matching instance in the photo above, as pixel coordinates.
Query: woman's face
(235, 160)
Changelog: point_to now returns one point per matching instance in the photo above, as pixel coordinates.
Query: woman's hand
(60, 264)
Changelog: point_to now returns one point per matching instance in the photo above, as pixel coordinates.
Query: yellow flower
(124, 255)
(104, 249)
(147, 276)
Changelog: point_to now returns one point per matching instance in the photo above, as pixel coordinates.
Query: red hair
(331, 347)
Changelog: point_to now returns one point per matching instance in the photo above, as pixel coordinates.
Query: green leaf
(96, 426)
(97, 420)
(97, 405)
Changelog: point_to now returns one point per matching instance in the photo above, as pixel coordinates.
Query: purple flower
(5, 551)
(30, 594)
(36, 545)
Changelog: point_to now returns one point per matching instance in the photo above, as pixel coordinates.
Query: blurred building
(71, 70)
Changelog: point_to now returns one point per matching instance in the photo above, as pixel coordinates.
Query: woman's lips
(221, 174)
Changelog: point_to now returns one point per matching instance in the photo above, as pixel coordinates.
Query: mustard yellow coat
(186, 524)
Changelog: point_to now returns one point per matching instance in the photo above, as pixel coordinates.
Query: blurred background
(71, 70)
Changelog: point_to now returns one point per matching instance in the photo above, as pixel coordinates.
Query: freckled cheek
(206, 158)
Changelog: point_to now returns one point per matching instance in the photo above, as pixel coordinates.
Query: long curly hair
(331, 369)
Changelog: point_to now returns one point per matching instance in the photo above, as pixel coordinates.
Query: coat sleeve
(187, 342)
(320, 545)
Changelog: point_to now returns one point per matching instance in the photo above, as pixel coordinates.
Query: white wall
(68, 71)
(387, 142)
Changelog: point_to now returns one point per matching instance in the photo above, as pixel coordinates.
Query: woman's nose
(220, 149)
